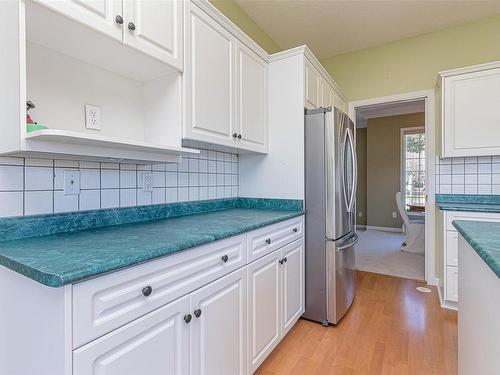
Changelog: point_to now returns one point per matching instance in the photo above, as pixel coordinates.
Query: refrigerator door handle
(350, 243)
(342, 167)
(352, 199)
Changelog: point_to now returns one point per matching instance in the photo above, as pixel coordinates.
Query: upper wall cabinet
(470, 100)
(318, 90)
(225, 83)
(152, 27)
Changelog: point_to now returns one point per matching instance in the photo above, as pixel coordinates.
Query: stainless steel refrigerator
(330, 200)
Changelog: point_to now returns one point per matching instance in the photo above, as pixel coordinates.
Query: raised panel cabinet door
(451, 286)
(263, 279)
(155, 28)
(97, 14)
(471, 116)
(312, 86)
(251, 89)
(326, 94)
(218, 329)
(292, 284)
(209, 80)
(156, 344)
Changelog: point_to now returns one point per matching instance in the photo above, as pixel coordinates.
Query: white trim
(468, 69)
(383, 229)
(430, 130)
(402, 166)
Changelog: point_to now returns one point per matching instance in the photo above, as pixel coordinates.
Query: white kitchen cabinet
(264, 302)
(275, 299)
(292, 284)
(219, 326)
(326, 94)
(251, 94)
(98, 14)
(157, 343)
(155, 28)
(209, 85)
(312, 82)
(152, 27)
(470, 117)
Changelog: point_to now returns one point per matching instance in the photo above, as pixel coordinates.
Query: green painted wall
(238, 16)
(412, 64)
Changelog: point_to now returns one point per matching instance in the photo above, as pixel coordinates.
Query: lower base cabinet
(157, 343)
(275, 299)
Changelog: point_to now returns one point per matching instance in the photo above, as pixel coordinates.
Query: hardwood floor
(390, 329)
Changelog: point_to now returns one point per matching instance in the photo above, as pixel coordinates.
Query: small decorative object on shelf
(30, 124)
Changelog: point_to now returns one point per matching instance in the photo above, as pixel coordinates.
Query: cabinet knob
(285, 259)
(268, 241)
(119, 19)
(239, 136)
(146, 291)
(280, 261)
(235, 135)
(197, 313)
(187, 318)
(131, 26)
(295, 230)
(225, 258)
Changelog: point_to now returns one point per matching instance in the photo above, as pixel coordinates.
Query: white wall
(280, 173)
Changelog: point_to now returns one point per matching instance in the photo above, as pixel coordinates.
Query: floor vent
(423, 289)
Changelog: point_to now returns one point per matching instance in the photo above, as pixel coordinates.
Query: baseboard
(384, 229)
(445, 304)
(438, 287)
(360, 226)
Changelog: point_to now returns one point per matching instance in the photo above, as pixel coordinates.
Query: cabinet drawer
(451, 248)
(264, 241)
(474, 216)
(108, 302)
(451, 287)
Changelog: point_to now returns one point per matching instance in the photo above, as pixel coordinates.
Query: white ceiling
(387, 109)
(330, 27)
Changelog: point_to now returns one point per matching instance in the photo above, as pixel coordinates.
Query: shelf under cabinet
(57, 142)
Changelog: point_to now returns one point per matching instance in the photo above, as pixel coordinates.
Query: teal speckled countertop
(89, 248)
(484, 238)
(472, 203)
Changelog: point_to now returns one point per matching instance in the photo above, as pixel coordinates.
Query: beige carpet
(379, 252)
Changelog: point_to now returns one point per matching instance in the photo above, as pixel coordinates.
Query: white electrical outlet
(394, 215)
(92, 117)
(71, 182)
(360, 214)
(147, 182)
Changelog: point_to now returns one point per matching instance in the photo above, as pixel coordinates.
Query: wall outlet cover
(147, 182)
(394, 215)
(92, 117)
(71, 182)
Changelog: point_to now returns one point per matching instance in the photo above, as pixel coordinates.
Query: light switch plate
(92, 117)
(71, 182)
(147, 181)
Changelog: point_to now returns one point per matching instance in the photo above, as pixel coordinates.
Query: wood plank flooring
(390, 329)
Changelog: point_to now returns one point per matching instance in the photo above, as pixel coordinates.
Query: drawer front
(265, 240)
(475, 216)
(451, 287)
(451, 248)
(108, 302)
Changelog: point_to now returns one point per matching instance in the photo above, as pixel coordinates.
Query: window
(413, 168)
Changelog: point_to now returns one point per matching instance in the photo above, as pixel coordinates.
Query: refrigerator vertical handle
(352, 199)
(342, 163)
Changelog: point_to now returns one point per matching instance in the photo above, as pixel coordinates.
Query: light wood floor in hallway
(390, 329)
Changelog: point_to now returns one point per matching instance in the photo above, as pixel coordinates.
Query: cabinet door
(209, 73)
(263, 308)
(471, 117)
(154, 344)
(218, 332)
(451, 286)
(251, 89)
(292, 284)
(97, 14)
(158, 28)
(326, 94)
(312, 86)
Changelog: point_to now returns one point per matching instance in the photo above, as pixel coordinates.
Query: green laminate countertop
(471, 203)
(484, 238)
(67, 257)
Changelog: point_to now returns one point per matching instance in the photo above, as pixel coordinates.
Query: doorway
(395, 202)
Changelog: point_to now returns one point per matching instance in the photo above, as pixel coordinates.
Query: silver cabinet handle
(119, 19)
(131, 26)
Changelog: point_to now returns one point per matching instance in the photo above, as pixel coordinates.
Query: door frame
(430, 130)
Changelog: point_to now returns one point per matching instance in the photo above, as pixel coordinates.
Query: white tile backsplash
(469, 175)
(30, 186)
